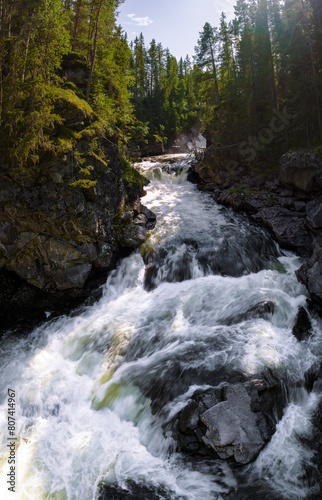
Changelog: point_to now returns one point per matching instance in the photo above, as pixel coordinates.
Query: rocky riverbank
(290, 206)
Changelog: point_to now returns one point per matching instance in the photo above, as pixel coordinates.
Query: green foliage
(163, 94)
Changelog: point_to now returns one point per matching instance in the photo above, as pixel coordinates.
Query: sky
(175, 24)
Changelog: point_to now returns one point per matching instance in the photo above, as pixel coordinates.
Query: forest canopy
(253, 81)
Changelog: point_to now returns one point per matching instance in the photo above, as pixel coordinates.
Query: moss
(131, 175)
(96, 128)
(83, 183)
(71, 86)
(68, 96)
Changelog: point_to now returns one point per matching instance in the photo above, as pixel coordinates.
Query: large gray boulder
(301, 170)
(289, 229)
(233, 423)
(231, 427)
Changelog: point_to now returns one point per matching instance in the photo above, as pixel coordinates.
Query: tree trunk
(1, 95)
(9, 20)
(1, 14)
(76, 24)
(25, 59)
(89, 83)
(215, 74)
(316, 91)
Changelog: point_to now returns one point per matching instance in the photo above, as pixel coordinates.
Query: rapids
(96, 391)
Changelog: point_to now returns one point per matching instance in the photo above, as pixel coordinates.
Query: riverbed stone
(231, 427)
(233, 423)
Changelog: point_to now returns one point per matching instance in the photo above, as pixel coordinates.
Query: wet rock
(193, 177)
(253, 490)
(289, 230)
(263, 310)
(233, 423)
(302, 328)
(313, 378)
(231, 427)
(314, 282)
(317, 246)
(189, 418)
(150, 216)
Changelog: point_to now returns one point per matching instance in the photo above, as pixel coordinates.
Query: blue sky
(174, 23)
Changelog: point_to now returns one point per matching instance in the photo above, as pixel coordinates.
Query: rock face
(61, 222)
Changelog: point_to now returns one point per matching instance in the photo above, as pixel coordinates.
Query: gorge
(185, 378)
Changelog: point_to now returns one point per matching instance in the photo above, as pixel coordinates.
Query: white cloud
(139, 21)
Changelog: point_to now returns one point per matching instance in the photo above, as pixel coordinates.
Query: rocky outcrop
(290, 206)
(64, 221)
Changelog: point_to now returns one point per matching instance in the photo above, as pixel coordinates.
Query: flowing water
(95, 391)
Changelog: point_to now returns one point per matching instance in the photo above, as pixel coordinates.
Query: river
(96, 391)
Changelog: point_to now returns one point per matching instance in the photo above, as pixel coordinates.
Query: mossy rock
(131, 175)
(75, 111)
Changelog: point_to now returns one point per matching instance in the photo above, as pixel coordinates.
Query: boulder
(289, 229)
(233, 423)
(231, 427)
(301, 170)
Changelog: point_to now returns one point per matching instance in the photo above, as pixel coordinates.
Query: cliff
(65, 220)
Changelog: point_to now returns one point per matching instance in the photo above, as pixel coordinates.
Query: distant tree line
(259, 77)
